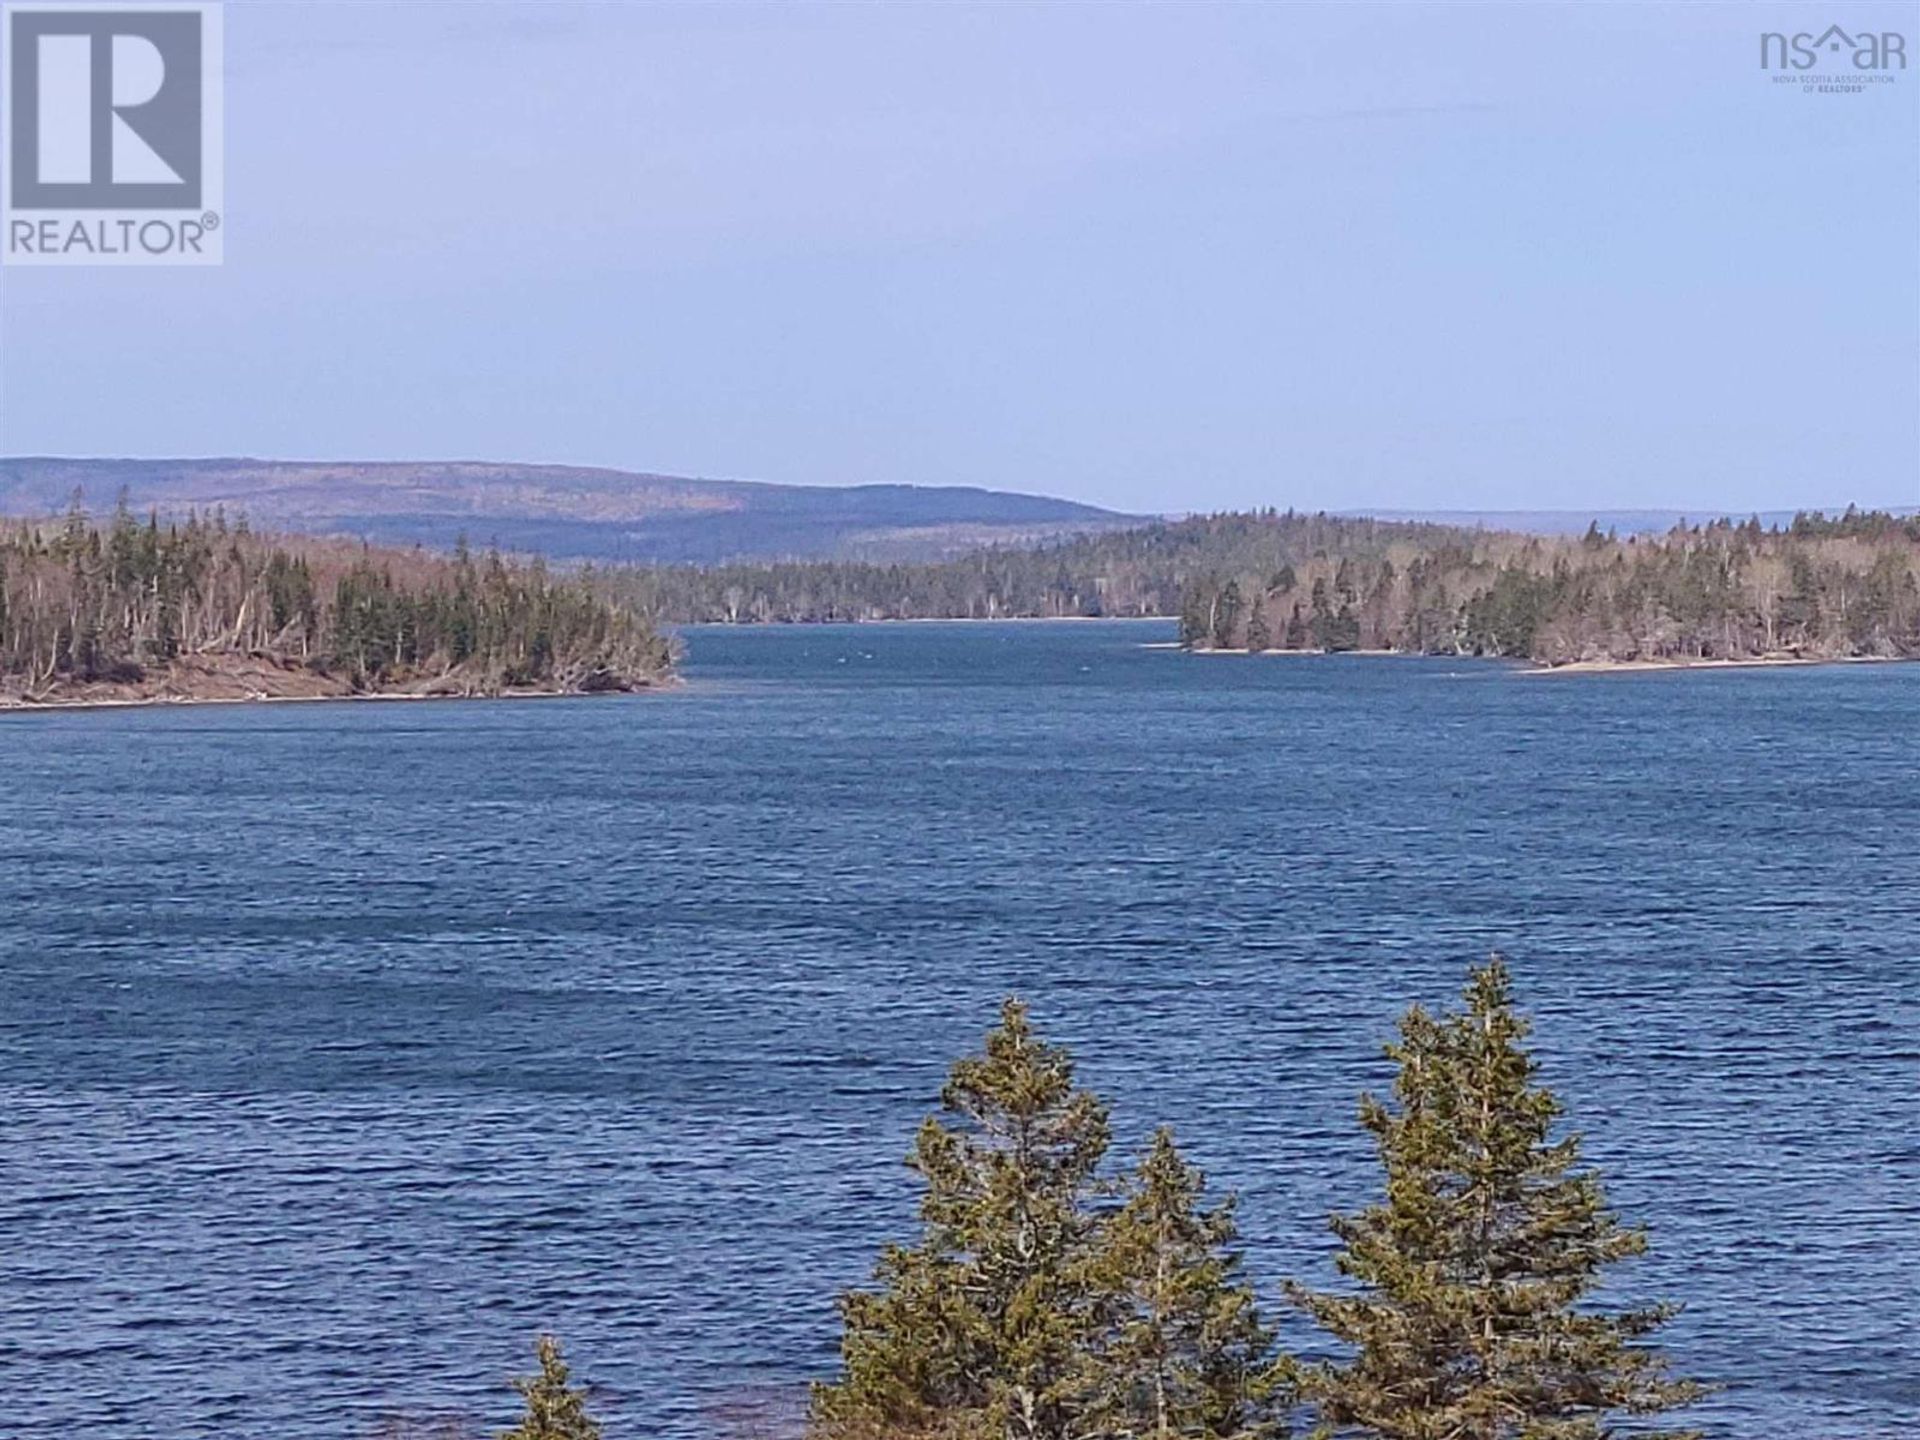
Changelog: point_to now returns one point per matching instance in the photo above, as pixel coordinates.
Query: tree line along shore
(1821, 588)
(1049, 1295)
(128, 611)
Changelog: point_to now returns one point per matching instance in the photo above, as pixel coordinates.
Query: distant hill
(578, 513)
(565, 511)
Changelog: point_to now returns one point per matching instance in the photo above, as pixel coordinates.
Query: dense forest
(204, 609)
(1137, 572)
(1820, 588)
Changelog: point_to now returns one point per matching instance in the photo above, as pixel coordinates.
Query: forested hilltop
(134, 610)
(1819, 588)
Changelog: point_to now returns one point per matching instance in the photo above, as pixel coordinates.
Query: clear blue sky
(1162, 258)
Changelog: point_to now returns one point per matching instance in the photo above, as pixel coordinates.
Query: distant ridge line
(569, 512)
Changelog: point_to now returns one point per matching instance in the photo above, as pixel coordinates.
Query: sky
(1157, 257)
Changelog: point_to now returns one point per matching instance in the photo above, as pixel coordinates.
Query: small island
(145, 612)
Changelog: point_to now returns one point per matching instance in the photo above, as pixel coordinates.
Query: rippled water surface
(345, 1046)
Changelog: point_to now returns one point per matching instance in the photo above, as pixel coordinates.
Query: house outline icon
(1832, 31)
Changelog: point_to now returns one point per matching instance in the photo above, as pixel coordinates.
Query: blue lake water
(343, 1047)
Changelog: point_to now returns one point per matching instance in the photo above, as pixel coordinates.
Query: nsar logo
(1867, 50)
(112, 135)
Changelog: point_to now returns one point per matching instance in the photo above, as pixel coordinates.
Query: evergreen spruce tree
(1180, 1349)
(1470, 1324)
(979, 1330)
(1195, 624)
(555, 1410)
(1259, 634)
(1297, 633)
(1226, 616)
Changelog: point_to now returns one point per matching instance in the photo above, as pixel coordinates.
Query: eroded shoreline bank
(256, 681)
(15, 705)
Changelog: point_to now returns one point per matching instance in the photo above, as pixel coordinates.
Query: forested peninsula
(1822, 588)
(131, 611)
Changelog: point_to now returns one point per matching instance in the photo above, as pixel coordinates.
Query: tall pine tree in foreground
(555, 1409)
(979, 1330)
(1036, 1308)
(1180, 1349)
(1470, 1322)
